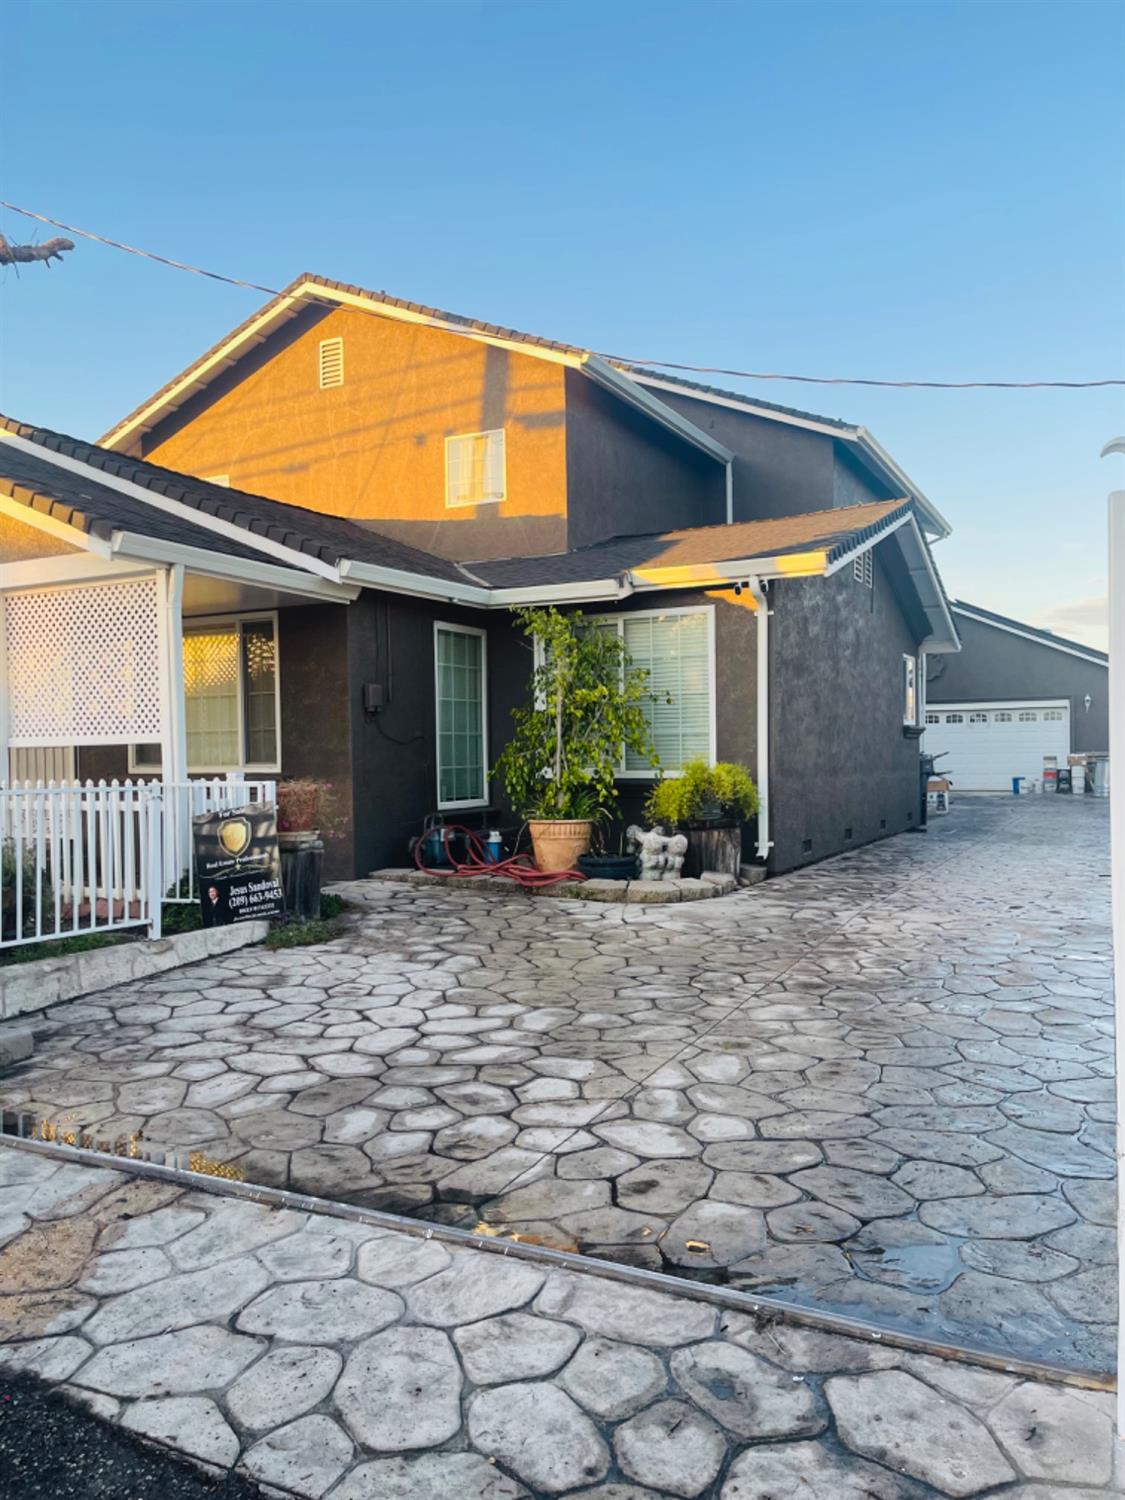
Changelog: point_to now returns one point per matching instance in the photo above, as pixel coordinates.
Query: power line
(664, 364)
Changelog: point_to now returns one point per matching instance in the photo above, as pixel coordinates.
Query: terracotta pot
(559, 841)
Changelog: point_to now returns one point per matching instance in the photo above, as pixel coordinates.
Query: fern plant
(724, 791)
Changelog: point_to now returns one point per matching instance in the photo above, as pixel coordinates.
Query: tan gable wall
(373, 449)
(20, 542)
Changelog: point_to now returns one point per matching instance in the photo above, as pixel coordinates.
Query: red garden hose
(517, 867)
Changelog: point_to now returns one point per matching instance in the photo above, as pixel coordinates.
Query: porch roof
(829, 531)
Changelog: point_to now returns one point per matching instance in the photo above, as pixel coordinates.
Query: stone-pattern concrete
(881, 1086)
(402, 1369)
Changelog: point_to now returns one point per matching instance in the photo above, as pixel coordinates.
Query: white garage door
(989, 743)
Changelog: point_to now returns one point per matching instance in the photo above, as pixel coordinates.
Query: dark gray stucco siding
(627, 475)
(315, 738)
(993, 664)
(852, 484)
(839, 758)
(391, 641)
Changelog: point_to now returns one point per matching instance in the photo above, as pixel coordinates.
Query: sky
(897, 190)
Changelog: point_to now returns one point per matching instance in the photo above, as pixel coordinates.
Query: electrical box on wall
(374, 697)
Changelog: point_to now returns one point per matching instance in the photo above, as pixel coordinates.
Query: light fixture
(1089, 700)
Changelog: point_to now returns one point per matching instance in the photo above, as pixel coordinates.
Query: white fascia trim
(883, 459)
(632, 391)
(1068, 650)
(967, 705)
(206, 522)
(52, 526)
(85, 567)
(749, 405)
(129, 544)
(399, 581)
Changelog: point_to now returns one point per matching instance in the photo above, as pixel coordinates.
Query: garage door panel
(988, 744)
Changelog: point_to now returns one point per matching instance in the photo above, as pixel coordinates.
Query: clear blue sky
(901, 189)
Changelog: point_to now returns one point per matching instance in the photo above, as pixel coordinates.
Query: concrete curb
(50, 981)
(630, 892)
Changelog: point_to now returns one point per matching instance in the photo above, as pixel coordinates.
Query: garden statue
(661, 854)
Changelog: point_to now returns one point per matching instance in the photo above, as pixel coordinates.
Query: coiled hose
(518, 867)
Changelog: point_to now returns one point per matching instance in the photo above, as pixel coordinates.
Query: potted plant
(587, 708)
(601, 863)
(300, 811)
(709, 804)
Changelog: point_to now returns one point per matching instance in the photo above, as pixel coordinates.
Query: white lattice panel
(84, 664)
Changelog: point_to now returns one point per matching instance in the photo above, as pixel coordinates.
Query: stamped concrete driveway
(881, 1087)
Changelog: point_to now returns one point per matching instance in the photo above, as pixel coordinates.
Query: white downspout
(762, 619)
(730, 491)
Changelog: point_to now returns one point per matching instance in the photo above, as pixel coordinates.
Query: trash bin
(1017, 785)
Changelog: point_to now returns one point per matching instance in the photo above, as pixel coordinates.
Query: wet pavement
(322, 1357)
(880, 1087)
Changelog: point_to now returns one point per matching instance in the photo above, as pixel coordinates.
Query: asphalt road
(54, 1449)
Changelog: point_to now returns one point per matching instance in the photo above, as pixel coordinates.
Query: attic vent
(863, 569)
(330, 363)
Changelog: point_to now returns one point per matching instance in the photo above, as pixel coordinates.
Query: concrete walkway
(328, 1358)
(881, 1087)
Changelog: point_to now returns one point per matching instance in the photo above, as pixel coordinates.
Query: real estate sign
(237, 864)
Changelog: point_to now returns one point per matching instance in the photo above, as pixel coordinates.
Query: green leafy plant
(723, 792)
(587, 707)
(18, 866)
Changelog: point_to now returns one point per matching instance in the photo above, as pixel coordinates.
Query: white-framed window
(978, 718)
(1028, 716)
(475, 468)
(863, 568)
(1002, 717)
(330, 363)
(232, 702)
(933, 718)
(461, 695)
(1054, 715)
(909, 689)
(955, 718)
(677, 649)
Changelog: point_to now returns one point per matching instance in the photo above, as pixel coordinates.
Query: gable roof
(1030, 632)
(310, 290)
(871, 453)
(825, 533)
(43, 480)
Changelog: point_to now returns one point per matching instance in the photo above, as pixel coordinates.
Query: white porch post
(173, 740)
(4, 697)
(1117, 881)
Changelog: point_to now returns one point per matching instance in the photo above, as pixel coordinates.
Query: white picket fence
(80, 857)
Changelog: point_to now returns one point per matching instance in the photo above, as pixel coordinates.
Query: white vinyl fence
(81, 857)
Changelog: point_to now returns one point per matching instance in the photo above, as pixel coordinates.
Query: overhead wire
(617, 359)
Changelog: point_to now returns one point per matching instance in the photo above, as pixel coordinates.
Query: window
(909, 690)
(863, 569)
(978, 718)
(1027, 717)
(475, 468)
(676, 649)
(954, 718)
(1003, 717)
(1053, 715)
(460, 673)
(330, 363)
(933, 718)
(230, 697)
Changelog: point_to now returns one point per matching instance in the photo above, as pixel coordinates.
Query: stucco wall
(20, 543)
(374, 448)
(839, 758)
(996, 665)
(779, 469)
(629, 475)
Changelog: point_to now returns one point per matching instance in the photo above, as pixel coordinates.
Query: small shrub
(23, 870)
(724, 791)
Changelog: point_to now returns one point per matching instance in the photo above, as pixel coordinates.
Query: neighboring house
(1011, 696)
(770, 568)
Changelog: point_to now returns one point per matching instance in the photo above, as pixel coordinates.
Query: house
(1011, 696)
(336, 509)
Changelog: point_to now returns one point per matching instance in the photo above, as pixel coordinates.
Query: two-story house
(769, 567)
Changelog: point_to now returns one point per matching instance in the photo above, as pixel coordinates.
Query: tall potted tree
(587, 708)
